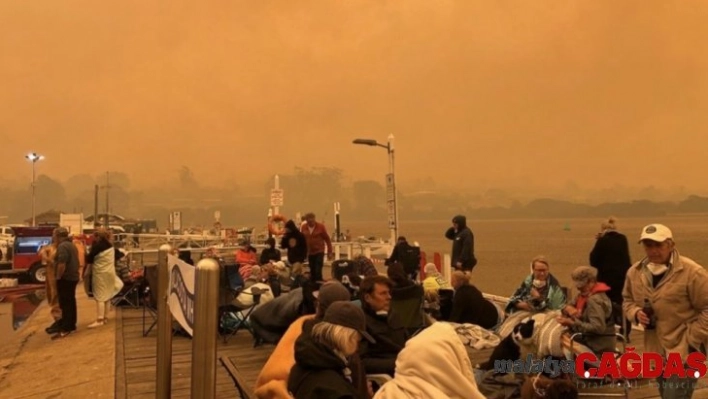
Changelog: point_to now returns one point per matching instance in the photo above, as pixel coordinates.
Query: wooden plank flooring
(136, 359)
(136, 369)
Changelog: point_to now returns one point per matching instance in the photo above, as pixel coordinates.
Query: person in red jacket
(317, 239)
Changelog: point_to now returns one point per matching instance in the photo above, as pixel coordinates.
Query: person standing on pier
(317, 238)
(48, 254)
(295, 243)
(105, 284)
(676, 288)
(610, 256)
(67, 275)
(462, 244)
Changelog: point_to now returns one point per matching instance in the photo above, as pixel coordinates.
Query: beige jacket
(680, 303)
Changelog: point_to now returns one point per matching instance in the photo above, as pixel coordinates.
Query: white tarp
(181, 300)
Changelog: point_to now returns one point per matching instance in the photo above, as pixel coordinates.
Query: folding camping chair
(231, 283)
(446, 297)
(574, 346)
(130, 293)
(410, 312)
(149, 298)
(233, 317)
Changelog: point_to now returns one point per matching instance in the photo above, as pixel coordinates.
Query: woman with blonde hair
(540, 290)
(322, 357)
(105, 284)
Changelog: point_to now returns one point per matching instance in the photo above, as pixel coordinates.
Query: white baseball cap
(656, 232)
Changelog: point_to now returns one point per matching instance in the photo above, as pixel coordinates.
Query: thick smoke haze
(477, 93)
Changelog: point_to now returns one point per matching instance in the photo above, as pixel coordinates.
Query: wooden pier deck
(136, 359)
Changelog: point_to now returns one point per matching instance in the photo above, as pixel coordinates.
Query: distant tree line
(305, 190)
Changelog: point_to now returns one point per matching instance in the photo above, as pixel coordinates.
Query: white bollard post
(206, 306)
(447, 267)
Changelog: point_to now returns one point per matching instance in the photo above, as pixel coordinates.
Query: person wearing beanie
(272, 380)
(323, 356)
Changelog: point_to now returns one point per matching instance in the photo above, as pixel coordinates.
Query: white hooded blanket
(433, 365)
(105, 284)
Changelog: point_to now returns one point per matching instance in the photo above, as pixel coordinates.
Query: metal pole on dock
(95, 207)
(337, 227)
(164, 326)
(206, 306)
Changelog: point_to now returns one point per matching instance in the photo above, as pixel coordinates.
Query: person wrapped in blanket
(540, 291)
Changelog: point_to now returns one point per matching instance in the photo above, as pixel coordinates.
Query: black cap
(347, 314)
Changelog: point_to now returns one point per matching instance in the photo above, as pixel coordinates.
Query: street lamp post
(34, 158)
(391, 194)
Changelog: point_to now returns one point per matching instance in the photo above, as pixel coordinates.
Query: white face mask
(657, 269)
(539, 283)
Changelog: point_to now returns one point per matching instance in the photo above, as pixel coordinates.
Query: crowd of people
(603, 293)
(330, 335)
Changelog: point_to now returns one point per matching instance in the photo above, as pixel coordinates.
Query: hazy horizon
(478, 94)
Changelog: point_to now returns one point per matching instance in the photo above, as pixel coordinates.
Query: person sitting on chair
(433, 279)
(257, 276)
(270, 253)
(246, 258)
(388, 331)
(407, 299)
(469, 305)
(590, 312)
(322, 355)
(407, 255)
(539, 291)
(434, 364)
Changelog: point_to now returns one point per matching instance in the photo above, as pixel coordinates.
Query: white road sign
(276, 197)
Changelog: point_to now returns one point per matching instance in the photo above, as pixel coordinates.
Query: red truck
(26, 258)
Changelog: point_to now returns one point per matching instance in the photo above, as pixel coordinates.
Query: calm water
(504, 248)
(16, 308)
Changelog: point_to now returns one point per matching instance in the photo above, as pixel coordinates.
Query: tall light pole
(34, 158)
(391, 195)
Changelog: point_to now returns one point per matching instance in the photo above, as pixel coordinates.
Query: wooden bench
(244, 389)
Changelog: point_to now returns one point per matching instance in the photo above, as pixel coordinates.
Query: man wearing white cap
(676, 287)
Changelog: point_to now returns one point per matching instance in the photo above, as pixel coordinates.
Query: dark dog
(510, 347)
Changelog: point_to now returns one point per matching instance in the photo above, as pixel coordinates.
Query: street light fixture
(391, 195)
(34, 158)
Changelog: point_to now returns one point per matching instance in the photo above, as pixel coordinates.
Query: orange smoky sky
(475, 92)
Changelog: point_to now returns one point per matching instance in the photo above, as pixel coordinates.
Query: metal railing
(137, 258)
(206, 295)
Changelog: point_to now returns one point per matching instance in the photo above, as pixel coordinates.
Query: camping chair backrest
(410, 312)
(151, 277)
(409, 257)
(341, 268)
(446, 296)
(500, 311)
(233, 277)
